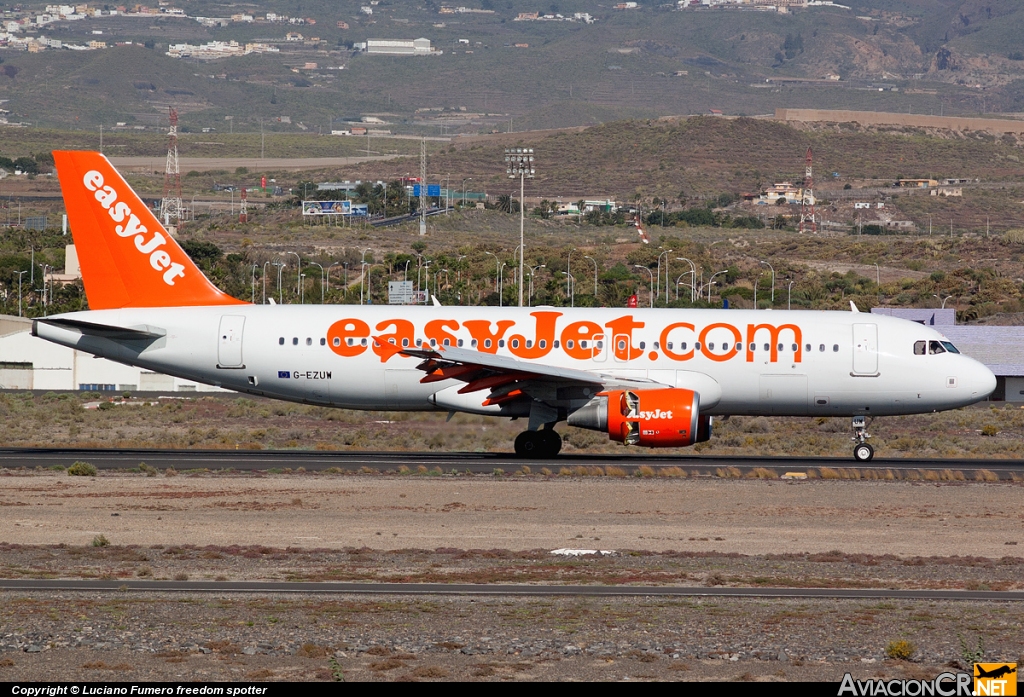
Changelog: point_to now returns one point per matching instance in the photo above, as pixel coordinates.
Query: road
(498, 589)
(476, 463)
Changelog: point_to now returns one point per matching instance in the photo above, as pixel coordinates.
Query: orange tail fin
(127, 257)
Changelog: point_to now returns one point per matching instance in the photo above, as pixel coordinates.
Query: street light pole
(501, 283)
(595, 276)
(321, 281)
(532, 270)
(254, 267)
(789, 299)
(280, 291)
(20, 274)
(298, 271)
(520, 161)
(765, 263)
(693, 278)
(639, 266)
(496, 260)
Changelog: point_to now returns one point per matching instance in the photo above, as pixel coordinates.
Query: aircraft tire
(863, 452)
(529, 444)
(551, 443)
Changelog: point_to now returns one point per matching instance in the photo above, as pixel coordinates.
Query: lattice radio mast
(171, 206)
(807, 221)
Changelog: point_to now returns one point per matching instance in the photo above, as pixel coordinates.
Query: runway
(455, 589)
(463, 462)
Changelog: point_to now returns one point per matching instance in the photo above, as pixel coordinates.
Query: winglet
(387, 349)
(127, 257)
(853, 307)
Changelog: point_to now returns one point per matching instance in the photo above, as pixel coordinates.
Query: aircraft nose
(983, 381)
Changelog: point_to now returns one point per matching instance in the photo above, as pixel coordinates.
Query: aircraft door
(229, 341)
(865, 350)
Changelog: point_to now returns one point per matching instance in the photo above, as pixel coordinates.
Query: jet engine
(653, 418)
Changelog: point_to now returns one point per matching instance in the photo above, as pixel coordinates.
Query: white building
(30, 363)
(399, 47)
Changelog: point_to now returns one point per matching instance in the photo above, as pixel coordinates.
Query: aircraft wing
(506, 379)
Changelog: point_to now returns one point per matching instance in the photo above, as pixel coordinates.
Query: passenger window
(622, 345)
(835, 348)
(935, 347)
(514, 343)
(643, 345)
(556, 343)
(821, 348)
(682, 346)
(657, 345)
(295, 341)
(459, 343)
(919, 348)
(405, 343)
(501, 343)
(362, 342)
(487, 343)
(350, 341)
(767, 347)
(419, 342)
(795, 348)
(583, 344)
(600, 345)
(529, 343)
(336, 341)
(807, 348)
(543, 343)
(569, 344)
(711, 346)
(323, 341)
(309, 341)
(696, 346)
(473, 343)
(281, 341)
(433, 342)
(447, 342)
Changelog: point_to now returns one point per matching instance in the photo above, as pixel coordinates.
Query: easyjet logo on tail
(130, 226)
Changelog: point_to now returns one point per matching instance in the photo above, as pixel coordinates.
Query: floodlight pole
(520, 161)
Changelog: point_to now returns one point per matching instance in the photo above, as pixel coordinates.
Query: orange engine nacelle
(652, 418)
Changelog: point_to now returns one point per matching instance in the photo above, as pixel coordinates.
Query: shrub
(900, 649)
(989, 430)
(82, 469)
(100, 541)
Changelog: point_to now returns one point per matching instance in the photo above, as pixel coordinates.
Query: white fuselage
(740, 361)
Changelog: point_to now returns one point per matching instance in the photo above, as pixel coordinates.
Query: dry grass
(762, 473)
(728, 472)
(386, 665)
(613, 471)
(672, 472)
(986, 476)
(431, 672)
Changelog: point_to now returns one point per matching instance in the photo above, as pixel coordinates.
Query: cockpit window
(935, 347)
(950, 347)
(920, 348)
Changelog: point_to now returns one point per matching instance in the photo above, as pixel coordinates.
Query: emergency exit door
(865, 350)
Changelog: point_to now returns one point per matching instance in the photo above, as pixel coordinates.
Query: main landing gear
(862, 452)
(539, 444)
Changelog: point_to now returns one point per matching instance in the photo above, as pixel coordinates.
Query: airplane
(646, 377)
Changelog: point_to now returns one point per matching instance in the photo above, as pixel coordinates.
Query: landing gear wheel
(863, 452)
(551, 443)
(538, 444)
(529, 444)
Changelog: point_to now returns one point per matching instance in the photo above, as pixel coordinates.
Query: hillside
(950, 56)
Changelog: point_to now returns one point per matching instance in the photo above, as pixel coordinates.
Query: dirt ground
(482, 529)
(515, 512)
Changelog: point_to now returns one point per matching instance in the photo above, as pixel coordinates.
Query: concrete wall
(881, 118)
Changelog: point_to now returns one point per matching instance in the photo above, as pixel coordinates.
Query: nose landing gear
(539, 444)
(862, 452)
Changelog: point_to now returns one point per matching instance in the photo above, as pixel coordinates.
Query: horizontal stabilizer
(104, 331)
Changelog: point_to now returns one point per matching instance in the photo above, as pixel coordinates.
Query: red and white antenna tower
(171, 206)
(243, 215)
(807, 221)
